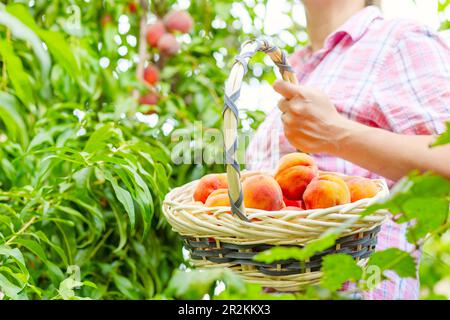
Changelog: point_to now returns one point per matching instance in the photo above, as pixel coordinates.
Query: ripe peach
(179, 21)
(208, 184)
(218, 198)
(106, 19)
(168, 45)
(295, 171)
(326, 191)
(154, 32)
(262, 192)
(151, 74)
(293, 203)
(132, 6)
(248, 174)
(361, 188)
(149, 99)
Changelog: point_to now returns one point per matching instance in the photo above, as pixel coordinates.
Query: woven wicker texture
(286, 275)
(359, 246)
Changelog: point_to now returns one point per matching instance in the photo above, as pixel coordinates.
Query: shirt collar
(355, 26)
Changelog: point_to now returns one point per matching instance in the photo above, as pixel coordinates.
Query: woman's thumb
(287, 89)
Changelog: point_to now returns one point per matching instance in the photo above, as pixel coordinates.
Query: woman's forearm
(389, 154)
(312, 124)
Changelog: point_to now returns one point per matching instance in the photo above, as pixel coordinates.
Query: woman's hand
(311, 122)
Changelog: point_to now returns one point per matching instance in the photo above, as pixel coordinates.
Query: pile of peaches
(296, 185)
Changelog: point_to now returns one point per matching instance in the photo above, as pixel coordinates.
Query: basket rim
(272, 227)
(380, 182)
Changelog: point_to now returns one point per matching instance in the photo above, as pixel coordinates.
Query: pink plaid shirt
(393, 75)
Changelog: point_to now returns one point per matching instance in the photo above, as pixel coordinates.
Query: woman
(373, 94)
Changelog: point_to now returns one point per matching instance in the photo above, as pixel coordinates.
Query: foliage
(223, 284)
(81, 181)
(442, 6)
(337, 269)
(444, 138)
(194, 285)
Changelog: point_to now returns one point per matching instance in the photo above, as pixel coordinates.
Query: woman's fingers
(283, 105)
(286, 118)
(288, 90)
(296, 106)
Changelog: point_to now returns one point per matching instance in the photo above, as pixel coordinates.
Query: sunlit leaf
(124, 198)
(10, 289)
(301, 254)
(339, 268)
(195, 284)
(16, 74)
(12, 119)
(443, 138)
(99, 138)
(396, 260)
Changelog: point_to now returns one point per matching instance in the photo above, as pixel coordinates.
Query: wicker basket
(217, 238)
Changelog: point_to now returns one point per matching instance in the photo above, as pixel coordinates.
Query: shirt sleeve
(412, 90)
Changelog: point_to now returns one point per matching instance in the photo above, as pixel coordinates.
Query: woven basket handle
(231, 116)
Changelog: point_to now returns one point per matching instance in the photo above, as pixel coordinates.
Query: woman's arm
(312, 124)
(389, 154)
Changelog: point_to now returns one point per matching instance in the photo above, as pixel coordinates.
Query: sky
(262, 97)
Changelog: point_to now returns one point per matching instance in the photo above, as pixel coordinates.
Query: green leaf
(125, 286)
(422, 198)
(14, 253)
(195, 284)
(443, 138)
(8, 288)
(68, 286)
(120, 223)
(55, 41)
(301, 254)
(99, 139)
(396, 260)
(20, 11)
(36, 248)
(429, 214)
(23, 32)
(43, 237)
(33, 246)
(338, 269)
(124, 198)
(16, 73)
(41, 138)
(62, 52)
(12, 119)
